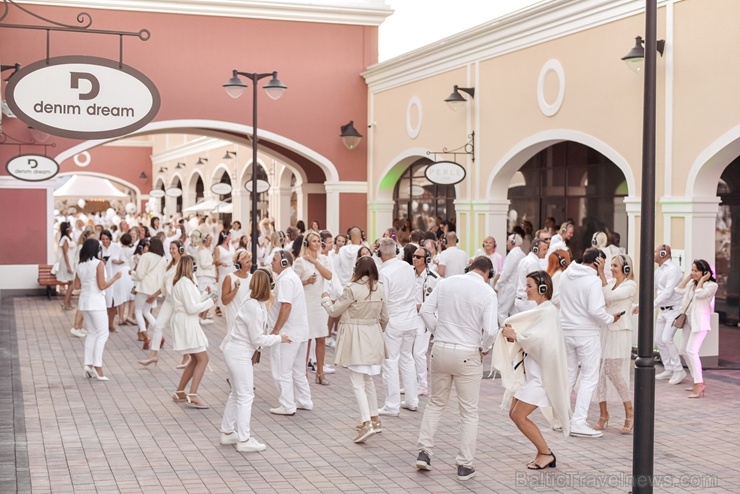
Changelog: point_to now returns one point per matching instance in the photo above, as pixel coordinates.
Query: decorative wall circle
(412, 131)
(550, 109)
(82, 159)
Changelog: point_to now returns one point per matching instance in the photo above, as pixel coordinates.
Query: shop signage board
(82, 97)
(445, 173)
(32, 167)
(262, 186)
(221, 188)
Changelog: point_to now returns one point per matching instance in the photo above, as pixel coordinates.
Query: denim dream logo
(82, 97)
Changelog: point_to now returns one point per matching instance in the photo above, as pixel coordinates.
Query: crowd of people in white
(558, 326)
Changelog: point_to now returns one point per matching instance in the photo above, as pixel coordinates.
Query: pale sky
(416, 23)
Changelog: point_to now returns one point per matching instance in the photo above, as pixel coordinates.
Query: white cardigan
(149, 273)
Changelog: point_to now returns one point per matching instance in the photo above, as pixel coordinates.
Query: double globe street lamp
(274, 89)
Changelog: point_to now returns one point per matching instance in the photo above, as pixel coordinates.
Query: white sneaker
(386, 411)
(80, 333)
(251, 445)
(584, 431)
(331, 342)
(677, 377)
(206, 321)
(411, 408)
(664, 376)
(329, 370)
(281, 411)
(232, 438)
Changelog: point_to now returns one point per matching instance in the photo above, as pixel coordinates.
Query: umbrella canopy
(209, 205)
(88, 187)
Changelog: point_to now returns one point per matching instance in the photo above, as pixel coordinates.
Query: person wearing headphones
(452, 260)
(557, 262)
(314, 270)
(539, 378)
(582, 313)
(426, 281)
(532, 262)
(289, 317)
(347, 255)
(616, 343)
(461, 314)
(235, 286)
(206, 273)
(668, 303)
(560, 240)
(489, 249)
(400, 286)
(506, 284)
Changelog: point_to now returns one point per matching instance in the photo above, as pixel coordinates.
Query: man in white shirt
(288, 361)
(426, 281)
(528, 265)
(668, 302)
(582, 313)
(452, 260)
(506, 284)
(461, 313)
(560, 240)
(347, 256)
(400, 286)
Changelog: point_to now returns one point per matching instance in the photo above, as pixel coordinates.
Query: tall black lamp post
(644, 438)
(274, 89)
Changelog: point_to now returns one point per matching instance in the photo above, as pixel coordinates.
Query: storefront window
(418, 200)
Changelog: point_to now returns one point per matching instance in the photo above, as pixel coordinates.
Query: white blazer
(700, 307)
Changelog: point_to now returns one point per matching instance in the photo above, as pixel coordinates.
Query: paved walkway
(64, 433)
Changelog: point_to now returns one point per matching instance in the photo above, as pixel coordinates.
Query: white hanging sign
(32, 167)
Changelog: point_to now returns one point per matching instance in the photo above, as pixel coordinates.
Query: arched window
(419, 200)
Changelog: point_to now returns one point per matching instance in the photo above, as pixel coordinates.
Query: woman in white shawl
(534, 341)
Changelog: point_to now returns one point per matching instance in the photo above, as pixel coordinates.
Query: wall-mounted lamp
(162, 169)
(180, 165)
(635, 59)
(350, 136)
(456, 100)
(143, 176)
(16, 68)
(201, 161)
(229, 155)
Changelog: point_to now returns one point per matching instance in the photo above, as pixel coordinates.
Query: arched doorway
(420, 201)
(571, 181)
(727, 245)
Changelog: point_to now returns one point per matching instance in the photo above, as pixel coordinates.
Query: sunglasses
(416, 256)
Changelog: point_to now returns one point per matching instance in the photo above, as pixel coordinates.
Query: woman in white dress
(90, 280)
(66, 272)
(115, 262)
(126, 312)
(206, 273)
(616, 342)
(698, 288)
(314, 270)
(534, 342)
(188, 337)
(165, 312)
(222, 255)
(360, 345)
(235, 288)
(148, 277)
(248, 334)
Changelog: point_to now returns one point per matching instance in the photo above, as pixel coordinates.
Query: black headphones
(561, 260)
(283, 260)
(593, 238)
(512, 239)
(180, 247)
(663, 252)
(428, 258)
(564, 227)
(536, 246)
(398, 251)
(305, 240)
(238, 254)
(541, 285)
(494, 244)
(491, 272)
(625, 267)
(362, 232)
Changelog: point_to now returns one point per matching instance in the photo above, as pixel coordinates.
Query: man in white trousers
(531, 263)
(668, 303)
(289, 316)
(400, 286)
(426, 281)
(506, 284)
(582, 313)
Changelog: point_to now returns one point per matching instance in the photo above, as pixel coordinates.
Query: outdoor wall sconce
(201, 161)
(16, 68)
(456, 100)
(143, 176)
(162, 169)
(229, 155)
(180, 165)
(350, 137)
(635, 59)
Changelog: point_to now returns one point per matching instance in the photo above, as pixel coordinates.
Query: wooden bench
(47, 279)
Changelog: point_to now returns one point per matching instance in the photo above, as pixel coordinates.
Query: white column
(380, 217)
(333, 189)
(242, 203)
(632, 206)
(496, 214)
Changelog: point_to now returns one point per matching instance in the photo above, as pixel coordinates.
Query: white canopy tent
(210, 205)
(88, 187)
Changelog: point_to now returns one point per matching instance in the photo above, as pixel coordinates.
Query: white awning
(88, 187)
(209, 205)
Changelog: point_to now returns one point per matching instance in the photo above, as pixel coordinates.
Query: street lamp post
(274, 89)
(643, 444)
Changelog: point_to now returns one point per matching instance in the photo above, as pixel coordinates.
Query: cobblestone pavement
(71, 434)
